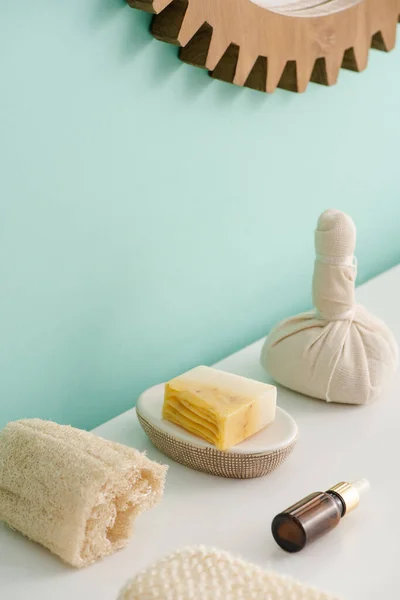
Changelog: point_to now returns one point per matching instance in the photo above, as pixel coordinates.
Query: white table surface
(357, 561)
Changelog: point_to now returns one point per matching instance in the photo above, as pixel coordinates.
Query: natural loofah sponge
(338, 352)
(73, 492)
(207, 574)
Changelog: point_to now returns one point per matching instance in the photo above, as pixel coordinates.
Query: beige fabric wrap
(338, 352)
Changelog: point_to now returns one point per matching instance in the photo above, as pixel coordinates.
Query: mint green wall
(152, 218)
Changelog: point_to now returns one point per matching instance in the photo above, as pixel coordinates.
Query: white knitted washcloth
(73, 492)
(207, 574)
(338, 352)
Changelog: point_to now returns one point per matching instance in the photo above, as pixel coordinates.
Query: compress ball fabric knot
(337, 352)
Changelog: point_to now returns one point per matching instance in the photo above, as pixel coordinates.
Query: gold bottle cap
(350, 492)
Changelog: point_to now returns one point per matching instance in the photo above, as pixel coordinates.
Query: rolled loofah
(72, 491)
(338, 352)
(206, 574)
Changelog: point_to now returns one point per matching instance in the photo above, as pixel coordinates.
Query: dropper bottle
(316, 514)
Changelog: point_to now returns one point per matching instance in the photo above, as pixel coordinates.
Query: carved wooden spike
(244, 65)
(146, 5)
(196, 51)
(160, 5)
(191, 24)
(216, 50)
(361, 53)
(304, 71)
(226, 68)
(287, 46)
(389, 34)
(150, 6)
(274, 73)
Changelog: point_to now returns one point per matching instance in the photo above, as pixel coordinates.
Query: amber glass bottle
(315, 515)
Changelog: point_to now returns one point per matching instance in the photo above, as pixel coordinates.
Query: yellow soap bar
(221, 408)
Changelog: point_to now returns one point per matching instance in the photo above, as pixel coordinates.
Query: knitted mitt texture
(207, 574)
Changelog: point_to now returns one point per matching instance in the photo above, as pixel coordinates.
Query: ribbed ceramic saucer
(258, 455)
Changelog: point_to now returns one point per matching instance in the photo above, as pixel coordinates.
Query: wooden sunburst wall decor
(265, 44)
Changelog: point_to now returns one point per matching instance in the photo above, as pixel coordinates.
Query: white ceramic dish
(258, 455)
